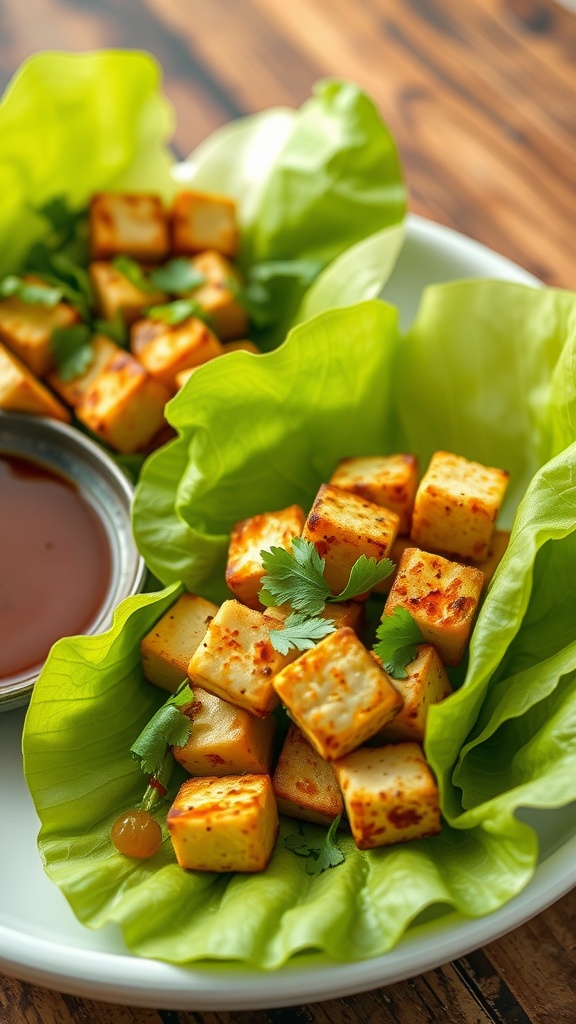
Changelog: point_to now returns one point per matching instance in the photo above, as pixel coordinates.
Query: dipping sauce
(55, 562)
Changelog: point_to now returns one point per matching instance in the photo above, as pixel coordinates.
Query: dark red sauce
(54, 562)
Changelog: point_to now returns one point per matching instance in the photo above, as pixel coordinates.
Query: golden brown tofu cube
(201, 221)
(426, 683)
(72, 391)
(337, 694)
(390, 795)
(173, 348)
(116, 295)
(251, 536)
(498, 544)
(242, 345)
(166, 650)
(21, 392)
(456, 507)
(225, 739)
(124, 406)
(216, 295)
(128, 225)
(304, 783)
(343, 526)
(387, 480)
(227, 824)
(441, 596)
(236, 659)
(27, 329)
(341, 613)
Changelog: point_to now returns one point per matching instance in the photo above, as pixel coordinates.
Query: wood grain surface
(481, 96)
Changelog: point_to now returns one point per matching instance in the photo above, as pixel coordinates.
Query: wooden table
(481, 96)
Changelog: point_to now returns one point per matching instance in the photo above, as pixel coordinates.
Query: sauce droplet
(136, 834)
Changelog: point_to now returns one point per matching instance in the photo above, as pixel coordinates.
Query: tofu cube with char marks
(337, 694)
(251, 536)
(343, 526)
(387, 480)
(202, 220)
(73, 391)
(224, 824)
(123, 406)
(342, 613)
(27, 328)
(20, 391)
(166, 650)
(442, 597)
(165, 350)
(426, 683)
(217, 294)
(128, 225)
(304, 783)
(456, 507)
(116, 295)
(390, 795)
(236, 659)
(225, 739)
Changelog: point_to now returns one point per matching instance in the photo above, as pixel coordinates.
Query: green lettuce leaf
(264, 435)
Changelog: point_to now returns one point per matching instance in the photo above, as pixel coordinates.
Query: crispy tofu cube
(390, 795)
(166, 650)
(173, 348)
(201, 221)
(456, 507)
(251, 536)
(498, 544)
(21, 392)
(342, 613)
(304, 783)
(123, 406)
(441, 596)
(72, 391)
(242, 345)
(27, 329)
(337, 694)
(236, 659)
(128, 225)
(387, 480)
(226, 824)
(343, 526)
(225, 739)
(426, 683)
(227, 316)
(116, 295)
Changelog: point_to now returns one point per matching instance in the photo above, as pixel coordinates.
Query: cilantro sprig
(300, 632)
(29, 292)
(321, 853)
(176, 312)
(399, 636)
(72, 348)
(169, 727)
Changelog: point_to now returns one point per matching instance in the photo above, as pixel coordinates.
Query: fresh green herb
(67, 236)
(300, 632)
(132, 270)
(26, 291)
(169, 727)
(72, 348)
(321, 854)
(256, 296)
(399, 636)
(115, 329)
(173, 313)
(59, 215)
(177, 277)
(297, 578)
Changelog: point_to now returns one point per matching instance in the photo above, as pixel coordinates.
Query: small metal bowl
(70, 453)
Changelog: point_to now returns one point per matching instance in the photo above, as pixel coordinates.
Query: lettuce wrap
(487, 370)
(321, 199)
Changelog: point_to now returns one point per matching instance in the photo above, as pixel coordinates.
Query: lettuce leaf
(486, 369)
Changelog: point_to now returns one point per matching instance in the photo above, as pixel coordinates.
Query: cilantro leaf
(72, 350)
(364, 575)
(132, 270)
(29, 292)
(300, 632)
(59, 215)
(399, 636)
(115, 329)
(295, 577)
(169, 727)
(322, 853)
(177, 276)
(175, 312)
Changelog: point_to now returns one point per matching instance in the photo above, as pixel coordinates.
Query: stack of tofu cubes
(355, 740)
(121, 395)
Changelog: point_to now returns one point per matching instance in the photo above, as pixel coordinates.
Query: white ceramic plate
(41, 940)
